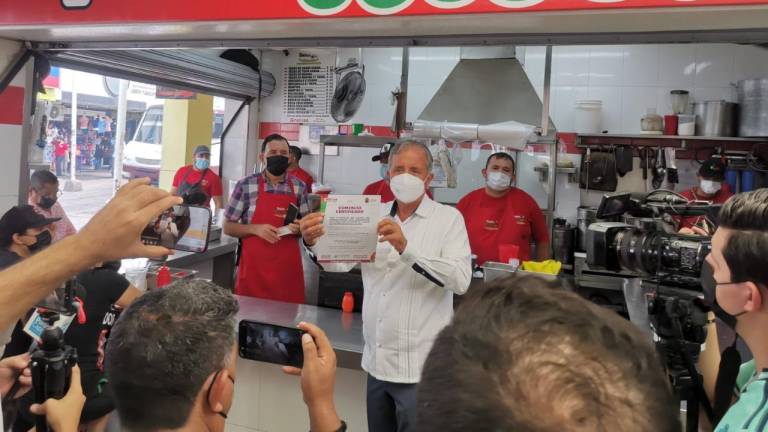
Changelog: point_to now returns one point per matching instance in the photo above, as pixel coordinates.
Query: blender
(679, 99)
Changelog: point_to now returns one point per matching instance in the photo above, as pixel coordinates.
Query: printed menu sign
(308, 86)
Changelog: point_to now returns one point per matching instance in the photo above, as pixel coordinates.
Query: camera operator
(113, 233)
(523, 355)
(741, 289)
(161, 382)
(106, 293)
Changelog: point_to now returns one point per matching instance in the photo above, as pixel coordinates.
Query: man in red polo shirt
(502, 214)
(712, 189)
(381, 187)
(295, 170)
(196, 183)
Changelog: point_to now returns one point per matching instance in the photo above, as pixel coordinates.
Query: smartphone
(181, 227)
(314, 201)
(271, 343)
(291, 214)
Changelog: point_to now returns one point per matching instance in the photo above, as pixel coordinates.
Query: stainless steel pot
(715, 118)
(753, 101)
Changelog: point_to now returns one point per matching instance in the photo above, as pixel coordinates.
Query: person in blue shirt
(738, 261)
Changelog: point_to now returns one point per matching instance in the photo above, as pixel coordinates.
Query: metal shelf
(572, 172)
(361, 141)
(674, 137)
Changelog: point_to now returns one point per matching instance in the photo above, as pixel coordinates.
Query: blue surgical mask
(383, 170)
(202, 164)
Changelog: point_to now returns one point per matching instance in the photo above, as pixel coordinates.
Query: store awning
(100, 103)
(200, 70)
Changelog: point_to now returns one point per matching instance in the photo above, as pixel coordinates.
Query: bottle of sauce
(163, 276)
(348, 302)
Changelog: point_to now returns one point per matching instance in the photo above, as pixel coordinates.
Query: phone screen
(182, 227)
(291, 215)
(271, 343)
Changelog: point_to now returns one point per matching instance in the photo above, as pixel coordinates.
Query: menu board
(308, 85)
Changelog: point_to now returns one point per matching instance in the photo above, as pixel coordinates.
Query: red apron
(490, 226)
(271, 271)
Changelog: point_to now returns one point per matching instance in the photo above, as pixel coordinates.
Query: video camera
(668, 257)
(670, 265)
(52, 359)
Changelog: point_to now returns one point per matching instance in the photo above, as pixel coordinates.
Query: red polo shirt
(515, 218)
(211, 184)
(303, 176)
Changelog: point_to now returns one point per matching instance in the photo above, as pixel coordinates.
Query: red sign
(81, 12)
(172, 93)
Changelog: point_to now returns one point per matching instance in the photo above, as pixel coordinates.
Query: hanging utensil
(659, 169)
(672, 176)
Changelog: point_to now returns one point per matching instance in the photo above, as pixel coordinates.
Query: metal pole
(552, 177)
(402, 106)
(72, 185)
(117, 156)
(321, 163)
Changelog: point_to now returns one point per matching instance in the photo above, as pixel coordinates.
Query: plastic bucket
(588, 116)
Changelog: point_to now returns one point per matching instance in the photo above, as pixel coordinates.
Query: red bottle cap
(348, 302)
(163, 276)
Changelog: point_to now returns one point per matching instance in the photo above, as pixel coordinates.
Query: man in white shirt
(422, 259)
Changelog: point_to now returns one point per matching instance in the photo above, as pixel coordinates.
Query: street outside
(97, 190)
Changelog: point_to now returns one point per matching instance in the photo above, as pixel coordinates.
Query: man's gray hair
(409, 143)
(164, 347)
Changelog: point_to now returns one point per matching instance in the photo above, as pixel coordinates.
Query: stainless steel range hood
(488, 85)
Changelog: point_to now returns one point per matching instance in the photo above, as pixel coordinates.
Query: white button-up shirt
(402, 310)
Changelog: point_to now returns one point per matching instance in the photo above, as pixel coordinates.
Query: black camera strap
(730, 363)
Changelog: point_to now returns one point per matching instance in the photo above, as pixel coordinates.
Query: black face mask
(709, 286)
(277, 165)
(44, 240)
(47, 202)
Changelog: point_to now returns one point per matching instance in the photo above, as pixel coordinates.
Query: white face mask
(498, 181)
(407, 188)
(710, 187)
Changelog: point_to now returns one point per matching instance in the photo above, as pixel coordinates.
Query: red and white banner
(27, 12)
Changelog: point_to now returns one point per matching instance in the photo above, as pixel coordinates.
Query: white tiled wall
(632, 78)
(628, 80)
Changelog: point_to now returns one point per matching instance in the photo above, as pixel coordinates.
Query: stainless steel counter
(218, 261)
(216, 248)
(345, 330)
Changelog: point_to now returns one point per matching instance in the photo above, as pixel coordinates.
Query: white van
(142, 155)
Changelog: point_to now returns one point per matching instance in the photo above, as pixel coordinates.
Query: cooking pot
(753, 104)
(715, 118)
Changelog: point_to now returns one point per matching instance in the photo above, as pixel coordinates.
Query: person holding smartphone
(270, 258)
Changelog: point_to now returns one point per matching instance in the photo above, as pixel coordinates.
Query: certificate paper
(351, 223)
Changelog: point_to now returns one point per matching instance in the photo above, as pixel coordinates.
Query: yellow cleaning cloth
(548, 267)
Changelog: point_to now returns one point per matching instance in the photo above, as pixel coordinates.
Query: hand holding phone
(318, 377)
(181, 227)
(271, 343)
